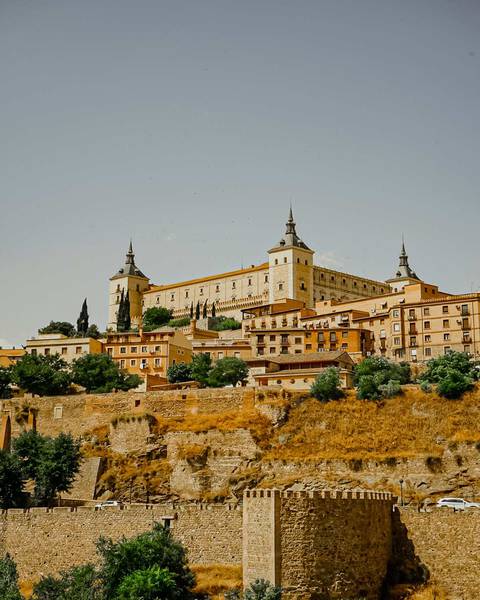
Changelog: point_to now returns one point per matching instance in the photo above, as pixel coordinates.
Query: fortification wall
(86, 412)
(319, 543)
(43, 541)
(448, 544)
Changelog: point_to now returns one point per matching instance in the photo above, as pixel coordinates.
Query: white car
(108, 503)
(457, 503)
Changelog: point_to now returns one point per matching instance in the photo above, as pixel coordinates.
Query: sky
(190, 126)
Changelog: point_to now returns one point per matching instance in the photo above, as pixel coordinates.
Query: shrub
(9, 580)
(225, 323)
(390, 389)
(426, 387)
(154, 548)
(327, 386)
(367, 388)
(454, 384)
(78, 583)
(148, 584)
(258, 590)
(179, 322)
(439, 368)
(200, 366)
(62, 327)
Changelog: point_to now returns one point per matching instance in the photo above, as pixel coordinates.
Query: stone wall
(448, 544)
(86, 412)
(43, 541)
(315, 544)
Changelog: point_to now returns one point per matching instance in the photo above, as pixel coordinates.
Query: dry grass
(217, 579)
(429, 592)
(191, 451)
(26, 587)
(414, 424)
(259, 425)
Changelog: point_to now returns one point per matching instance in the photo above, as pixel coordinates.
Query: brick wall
(45, 541)
(315, 544)
(448, 544)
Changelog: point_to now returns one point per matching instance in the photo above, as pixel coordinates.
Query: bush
(79, 583)
(426, 387)
(155, 548)
(63, 327)
(9, 580)
(99, 373)
(327, 386)
(200, 368)
(438, 368)
(148, 584)
(368, 388)
(390, 389)
(258, 590)
(225, 323)
(179, 372)
(179, 322)
(454, 384)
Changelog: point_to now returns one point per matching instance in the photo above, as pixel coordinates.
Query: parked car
(108, 503)
(457, 504)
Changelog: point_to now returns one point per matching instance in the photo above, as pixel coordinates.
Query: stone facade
(318, 544)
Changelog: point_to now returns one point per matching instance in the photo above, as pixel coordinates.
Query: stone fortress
(289, 273)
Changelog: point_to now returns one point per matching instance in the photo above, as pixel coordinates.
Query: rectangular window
(133, 349)
(426, 324)
(122, 363)
(426, 311)
(333, 336)
(157, 348)
(447, 349)
(78, 350)
(236, 354)
(446, 337)
(464, 309)
(47, 351)
(64, 350)
(428, 338)
(396, 327)
(34, 352)
(345, 334)
(272, 350)
(428, 352)
(445, 310)
(308, 346)
(396, 341)
(298, 340)
(446, 323)
(158, 362)
(123, 350)
(344, 346)
(133, 362)
(273, 338)
(144, 349)
(396, 313)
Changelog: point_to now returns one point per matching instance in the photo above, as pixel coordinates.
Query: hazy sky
(191, 125)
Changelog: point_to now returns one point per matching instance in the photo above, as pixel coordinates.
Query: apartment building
(149, 354)
(68, 348)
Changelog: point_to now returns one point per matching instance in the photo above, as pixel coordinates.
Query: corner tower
(129, 279)
(404, 275)
(291, 267)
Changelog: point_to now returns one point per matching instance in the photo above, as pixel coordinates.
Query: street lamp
(401, 492)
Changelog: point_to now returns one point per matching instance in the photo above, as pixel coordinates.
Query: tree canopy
(5, 381)
(228, 371)
(51, 462)
(12, 480)
(42, 375)
(200, 368)
(63, 327)
(179, 372)
(99, 373)
(453, 373)
(223, 323)
(156, 316)
(377, 377)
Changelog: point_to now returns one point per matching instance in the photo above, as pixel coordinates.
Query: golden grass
(217, 579)
(430, 591)
(406, 426)
(26, 587)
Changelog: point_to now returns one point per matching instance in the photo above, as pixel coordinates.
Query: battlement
(320, 494)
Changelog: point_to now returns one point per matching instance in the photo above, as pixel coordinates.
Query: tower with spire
(291, 267)
(404, 275)
(128, 283)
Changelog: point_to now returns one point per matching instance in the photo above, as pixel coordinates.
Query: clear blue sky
(191, 125)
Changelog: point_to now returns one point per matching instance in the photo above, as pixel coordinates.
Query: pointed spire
(130, 260)
(291, 238)
(404, 269)
(130, 268)
(290, 224)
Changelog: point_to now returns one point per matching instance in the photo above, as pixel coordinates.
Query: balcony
(412, 317)
(467, 339)
(466, 324)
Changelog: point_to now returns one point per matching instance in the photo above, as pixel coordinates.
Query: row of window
(143, 363)
(355, 284)
(49, 351)
(427, 325)
(412, 313)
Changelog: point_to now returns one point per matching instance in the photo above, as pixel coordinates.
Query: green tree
(327, 386)
(51, 462)
(377, 377)
(155, 548)
(63, 327)
(99, 373)
(93, 332)
(9, 579)
(228, 371)
(153, 583)
(368, 388)
(155, 317)
(42, 375)
(79, 583)
(5, 381)
(438, 368)
(179, 372)
(201, 366)
(11, 480)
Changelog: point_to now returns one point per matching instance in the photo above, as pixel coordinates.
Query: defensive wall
(86, 412)
(318, 544)
(448, 543)
(43, 541)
